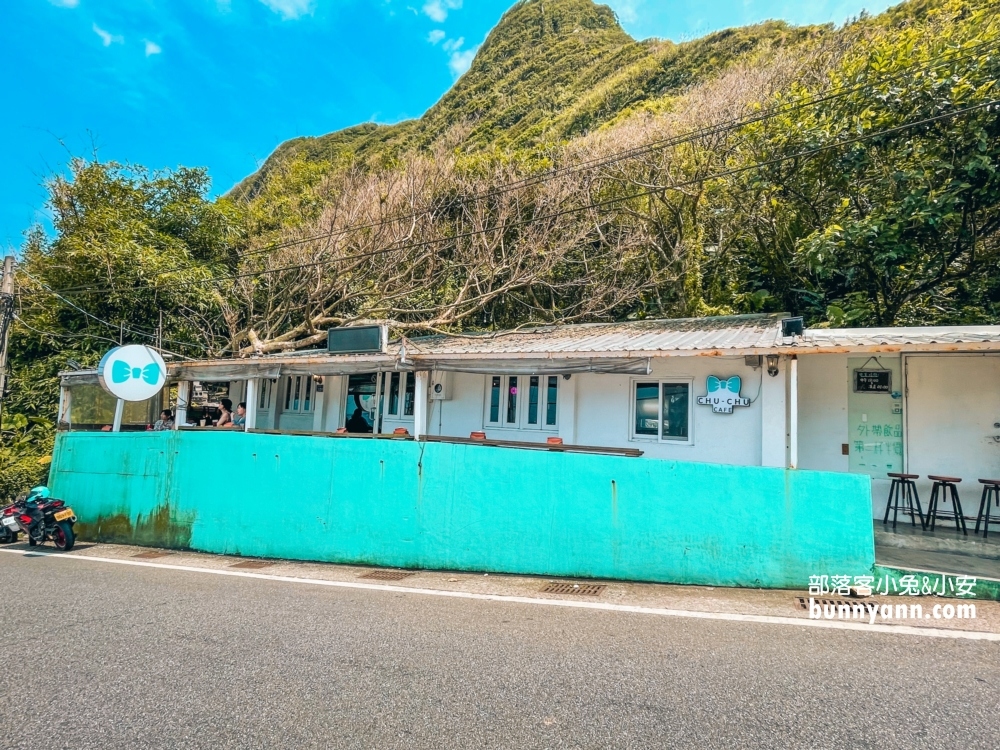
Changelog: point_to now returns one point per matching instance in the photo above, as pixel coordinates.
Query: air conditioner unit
(440, 386)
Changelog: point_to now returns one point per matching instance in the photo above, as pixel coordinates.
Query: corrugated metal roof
(915, 336)
(734, 332)
(598, 347)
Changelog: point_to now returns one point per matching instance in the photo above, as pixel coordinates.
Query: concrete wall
(446, 506)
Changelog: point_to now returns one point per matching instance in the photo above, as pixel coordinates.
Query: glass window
(394, 394)
(307, 402)
(288, 392)
(495, 399)
(550, 400)
(663, 410)
(533, 400)
(512, 400)
(647, 406)
(265, 395)
(675, 411)
(408, 392)
(298, 387)
(360, 407)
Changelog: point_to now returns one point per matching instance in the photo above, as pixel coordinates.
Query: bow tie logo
(732, 384)
(121, 372)
(723, 394)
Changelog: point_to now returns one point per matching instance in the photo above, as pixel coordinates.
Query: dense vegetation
(572, 174)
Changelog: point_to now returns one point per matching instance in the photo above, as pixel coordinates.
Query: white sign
(723, 395)
(132, 373)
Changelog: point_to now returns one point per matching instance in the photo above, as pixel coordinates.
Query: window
(298, 394)
(264, 401)
(661, 410)
(520, 402)
(401, 390)
(394, 393)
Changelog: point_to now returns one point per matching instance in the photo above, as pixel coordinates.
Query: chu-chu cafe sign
(723, 394)
(132, 373)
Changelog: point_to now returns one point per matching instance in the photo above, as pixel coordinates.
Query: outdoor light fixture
(772, 365)
(74, 364)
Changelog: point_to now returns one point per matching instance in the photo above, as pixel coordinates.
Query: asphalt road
(112, 656)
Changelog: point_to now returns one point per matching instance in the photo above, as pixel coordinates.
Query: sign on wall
(873, 381)
(723, 394)
(132, 373)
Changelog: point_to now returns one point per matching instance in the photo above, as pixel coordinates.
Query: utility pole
(6, 316)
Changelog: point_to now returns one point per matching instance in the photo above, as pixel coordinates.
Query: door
(953, 420)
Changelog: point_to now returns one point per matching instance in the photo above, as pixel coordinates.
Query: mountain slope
(549, 70)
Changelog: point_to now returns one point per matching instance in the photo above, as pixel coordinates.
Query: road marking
(971, 635)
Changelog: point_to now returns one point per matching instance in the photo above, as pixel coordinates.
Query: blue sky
(220, 83)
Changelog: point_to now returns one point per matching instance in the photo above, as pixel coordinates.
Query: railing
(554, 447)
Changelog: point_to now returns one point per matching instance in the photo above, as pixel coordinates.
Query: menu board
(873, 381)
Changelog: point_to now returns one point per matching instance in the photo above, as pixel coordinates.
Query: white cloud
(461, 61)
(435, 36)
(107, 38)
(152, 48)
(453, 45)
(290, 9)
(437, 10)
(65, 3)
(627, 10)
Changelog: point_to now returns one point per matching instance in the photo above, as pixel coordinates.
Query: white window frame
(266, 395)
(658, 438)
(286, 394)
(521, 422)
(400, 415)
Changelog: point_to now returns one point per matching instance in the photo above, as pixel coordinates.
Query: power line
(120, 327)
(934, 63)
(593, 205)
(718, 128)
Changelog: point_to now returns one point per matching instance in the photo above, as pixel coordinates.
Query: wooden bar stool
(991, 490)
(943, 486)
(903, 492)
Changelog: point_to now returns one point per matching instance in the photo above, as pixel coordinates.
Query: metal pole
(793, 412)
(119, 411)
(6, 314)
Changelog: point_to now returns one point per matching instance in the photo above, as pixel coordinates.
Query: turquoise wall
(466, 507)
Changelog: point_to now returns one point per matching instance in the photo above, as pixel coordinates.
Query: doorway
(953, 420)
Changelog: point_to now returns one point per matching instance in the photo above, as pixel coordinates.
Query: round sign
(132, 373)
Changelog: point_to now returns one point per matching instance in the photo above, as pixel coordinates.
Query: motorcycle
(9, 528)
(43, 518)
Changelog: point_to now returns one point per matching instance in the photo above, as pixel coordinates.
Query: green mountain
(550, 70)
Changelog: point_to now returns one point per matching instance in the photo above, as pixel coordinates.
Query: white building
(872, 401)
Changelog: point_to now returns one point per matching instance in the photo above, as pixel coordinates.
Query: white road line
(604, 606)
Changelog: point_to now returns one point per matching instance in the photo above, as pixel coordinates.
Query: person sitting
(357, 423)
(240, 417)
(226, 418)
(165, 422)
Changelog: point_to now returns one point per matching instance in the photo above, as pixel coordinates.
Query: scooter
(9, 528)
(44, 518)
